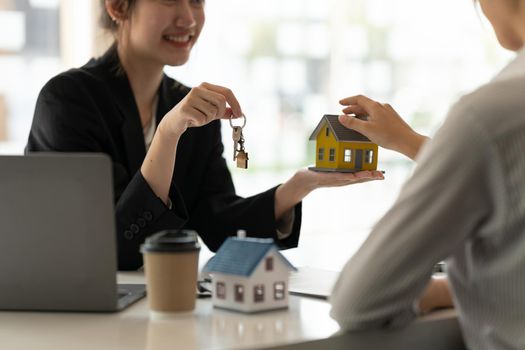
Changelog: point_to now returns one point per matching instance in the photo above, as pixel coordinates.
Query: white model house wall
(272, 298)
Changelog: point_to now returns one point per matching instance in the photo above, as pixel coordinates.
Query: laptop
(58, 235)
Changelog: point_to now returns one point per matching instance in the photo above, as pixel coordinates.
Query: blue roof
(240, 256)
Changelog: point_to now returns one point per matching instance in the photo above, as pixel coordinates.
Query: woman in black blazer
(163, 137)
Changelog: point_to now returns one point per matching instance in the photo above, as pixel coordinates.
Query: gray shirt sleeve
(444, 202)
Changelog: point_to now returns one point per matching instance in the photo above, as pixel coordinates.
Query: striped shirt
(464, 203)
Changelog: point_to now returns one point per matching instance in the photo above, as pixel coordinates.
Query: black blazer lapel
(131, 127)
(132, 134)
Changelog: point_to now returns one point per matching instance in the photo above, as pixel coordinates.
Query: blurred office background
(289, 62)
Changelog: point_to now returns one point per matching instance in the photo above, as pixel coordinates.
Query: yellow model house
(341, 149)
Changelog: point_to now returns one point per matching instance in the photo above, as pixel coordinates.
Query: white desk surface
(205, 328)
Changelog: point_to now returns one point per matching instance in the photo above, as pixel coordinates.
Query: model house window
(327, 132)
(348, 155)
(221, 290)
(369, 156)
(332, 154)
(258, 293)
(278, 290)
(239, 293)
(269, 263)
(320, 156)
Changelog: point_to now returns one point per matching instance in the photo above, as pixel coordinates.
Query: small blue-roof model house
(249, 275)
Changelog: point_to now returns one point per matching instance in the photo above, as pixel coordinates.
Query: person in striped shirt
(465, 203)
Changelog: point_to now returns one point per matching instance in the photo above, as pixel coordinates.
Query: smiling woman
(164, 138)
(156, 33)
(283, 81)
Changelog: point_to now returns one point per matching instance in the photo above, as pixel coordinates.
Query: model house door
(359, 159)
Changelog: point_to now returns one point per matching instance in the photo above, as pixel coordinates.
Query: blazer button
(141, 222)
(128, 235)
(147, 215)
(134, 228)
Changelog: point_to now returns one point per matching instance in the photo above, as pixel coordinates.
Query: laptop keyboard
(129, 293)
(121, 293)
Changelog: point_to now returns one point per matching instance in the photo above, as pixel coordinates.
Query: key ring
(243, 124)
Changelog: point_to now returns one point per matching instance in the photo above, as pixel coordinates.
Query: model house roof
(240, 256)
(340, 132)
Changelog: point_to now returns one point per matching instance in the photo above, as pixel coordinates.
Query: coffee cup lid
(168, 241)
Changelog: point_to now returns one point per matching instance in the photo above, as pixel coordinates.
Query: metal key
(238, 144)
(237, 136)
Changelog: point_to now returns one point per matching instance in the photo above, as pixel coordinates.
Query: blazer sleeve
(69, 117)
(219, 212)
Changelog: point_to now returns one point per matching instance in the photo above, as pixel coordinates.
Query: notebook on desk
(312, 282)
(57, 235)
(318, 283)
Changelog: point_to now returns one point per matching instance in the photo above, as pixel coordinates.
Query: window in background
(29, 51)
(38, 39)
(289, 63)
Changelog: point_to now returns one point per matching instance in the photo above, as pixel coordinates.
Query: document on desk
(312, 282)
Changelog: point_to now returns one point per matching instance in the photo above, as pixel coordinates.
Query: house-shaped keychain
(249, 275)
(341, 149)
(242, 159)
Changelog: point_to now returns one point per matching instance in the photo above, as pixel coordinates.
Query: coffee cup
(171, 260)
